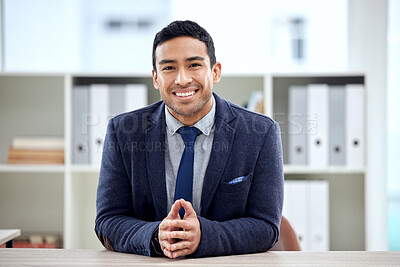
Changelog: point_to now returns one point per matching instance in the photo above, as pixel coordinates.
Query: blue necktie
(184, 179)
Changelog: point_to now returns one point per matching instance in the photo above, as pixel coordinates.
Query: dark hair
(184, 28)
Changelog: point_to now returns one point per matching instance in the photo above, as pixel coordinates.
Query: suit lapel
(223, 140)
(155, 158)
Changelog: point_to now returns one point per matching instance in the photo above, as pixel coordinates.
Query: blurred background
(251, 37)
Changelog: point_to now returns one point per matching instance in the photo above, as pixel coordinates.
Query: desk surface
(62, 257)
(8, 234)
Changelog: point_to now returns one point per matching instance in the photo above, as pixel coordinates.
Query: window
(393, 124)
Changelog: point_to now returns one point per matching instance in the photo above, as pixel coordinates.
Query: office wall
(368, 54)
(253, 36)
(41, 35)
(73, 35)
(257, 35)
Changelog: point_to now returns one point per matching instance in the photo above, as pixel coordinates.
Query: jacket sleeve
(115, 224)
(258, 230)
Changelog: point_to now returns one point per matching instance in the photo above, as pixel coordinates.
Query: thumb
(174, 212)
(189, 211)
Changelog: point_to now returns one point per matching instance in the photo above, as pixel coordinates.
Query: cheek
(206, 80)
(165, 82)
(160, 84)
(209, 82)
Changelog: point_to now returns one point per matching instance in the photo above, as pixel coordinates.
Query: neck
(192, 119)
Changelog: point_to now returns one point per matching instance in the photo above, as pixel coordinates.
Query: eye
(194, 65)
(167, 68)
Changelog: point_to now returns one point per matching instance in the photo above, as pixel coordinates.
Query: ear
(216, 72)
(155, 82)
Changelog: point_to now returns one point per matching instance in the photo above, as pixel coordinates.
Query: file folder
(297, 123)
(99, 110)
(318, 215)
(337, 125)
(317, 125)
(117, 100)
(355, 125)
(135, 96)
(306, 206)
(295, 209)
(80, 131)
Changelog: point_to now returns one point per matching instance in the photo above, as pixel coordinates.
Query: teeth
(185, 94)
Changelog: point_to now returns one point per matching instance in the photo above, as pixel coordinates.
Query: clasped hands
(179, 237)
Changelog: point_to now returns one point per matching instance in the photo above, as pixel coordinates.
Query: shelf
(22, 168)
(85, 168)
(68, 191)
(290, 169)
(315, 74)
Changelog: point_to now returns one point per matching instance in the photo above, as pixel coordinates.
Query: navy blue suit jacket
(235, 218)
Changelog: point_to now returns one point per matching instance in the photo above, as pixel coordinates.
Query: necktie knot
(189, 135)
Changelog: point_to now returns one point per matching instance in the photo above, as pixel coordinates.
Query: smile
(185, 94)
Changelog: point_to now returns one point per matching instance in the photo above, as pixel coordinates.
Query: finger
(182, 224)
(180, 245)
(166, 236)
(179, 253)
(189, 211)
(166, 244)
(163, 235)
(183, 235)
(164, 225)
(167, 253)
(174, 212)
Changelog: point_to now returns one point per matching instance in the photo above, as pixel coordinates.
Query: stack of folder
(93, 106)
(326, 125)
(306, 206)
(36, 150)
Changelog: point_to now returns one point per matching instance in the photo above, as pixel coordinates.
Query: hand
(180, 237)
(165, 228)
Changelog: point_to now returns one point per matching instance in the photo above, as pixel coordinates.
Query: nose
(183, 77)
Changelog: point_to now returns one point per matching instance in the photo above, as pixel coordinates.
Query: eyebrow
(166, 61)
(195, 58)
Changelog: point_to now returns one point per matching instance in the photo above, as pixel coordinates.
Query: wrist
(155, 244)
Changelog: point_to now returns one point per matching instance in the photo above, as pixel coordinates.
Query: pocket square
(237, 180)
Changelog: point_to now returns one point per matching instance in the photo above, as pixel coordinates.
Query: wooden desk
(61, 257)
(7, 236)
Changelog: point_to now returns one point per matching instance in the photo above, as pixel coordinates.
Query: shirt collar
(204, 125)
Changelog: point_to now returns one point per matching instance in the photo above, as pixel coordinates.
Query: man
(220, 193)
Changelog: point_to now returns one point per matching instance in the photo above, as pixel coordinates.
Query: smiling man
(191, 175)
(185, 77)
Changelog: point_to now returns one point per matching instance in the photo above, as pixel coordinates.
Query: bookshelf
(290, 169)
(347, 197)
(7, 168)
(41, 104)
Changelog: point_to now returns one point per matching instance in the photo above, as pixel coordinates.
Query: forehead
(181, 48)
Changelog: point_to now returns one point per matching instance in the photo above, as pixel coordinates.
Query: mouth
(186, 95)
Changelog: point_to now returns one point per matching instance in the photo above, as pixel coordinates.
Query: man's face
(184, 78)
